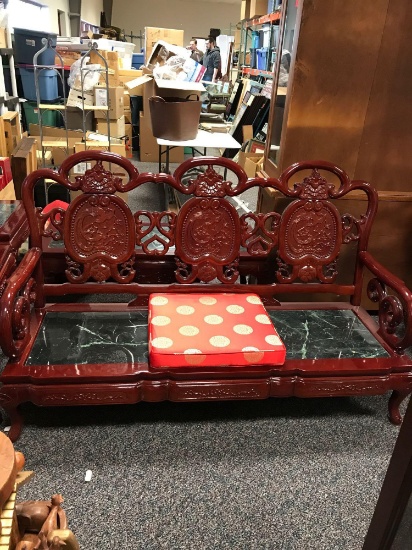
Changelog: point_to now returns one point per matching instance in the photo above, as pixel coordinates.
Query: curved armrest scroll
(393, 310)
(18, 295)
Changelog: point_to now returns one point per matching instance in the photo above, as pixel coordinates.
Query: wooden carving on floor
(33, 524)
(43, 525)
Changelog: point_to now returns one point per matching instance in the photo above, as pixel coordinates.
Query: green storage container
(49, 118)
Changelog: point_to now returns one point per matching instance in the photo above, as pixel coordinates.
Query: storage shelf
(257, 72)
(269, 18)
(62, 107)
(52, 106)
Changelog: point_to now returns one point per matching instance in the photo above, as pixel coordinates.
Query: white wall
(90, 11)
(196, 18)
(54, 5)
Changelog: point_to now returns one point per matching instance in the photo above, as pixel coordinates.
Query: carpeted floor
(278, 474)
(283, 474)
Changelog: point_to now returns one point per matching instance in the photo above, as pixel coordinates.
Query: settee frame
(213, 249)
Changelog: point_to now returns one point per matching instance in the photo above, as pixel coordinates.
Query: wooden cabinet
(348, 101)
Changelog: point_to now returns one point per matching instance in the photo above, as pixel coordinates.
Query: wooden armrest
(18, 295)
(393, 310)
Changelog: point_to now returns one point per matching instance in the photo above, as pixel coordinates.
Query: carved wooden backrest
(208, 235)
(99, 232)
(311, 228)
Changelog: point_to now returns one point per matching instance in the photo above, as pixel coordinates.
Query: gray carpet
(277, 474)
(283, 474)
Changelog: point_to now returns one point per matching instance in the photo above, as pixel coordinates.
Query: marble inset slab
(322, 334)
(91, 337)
(6, 209)
(121, 337)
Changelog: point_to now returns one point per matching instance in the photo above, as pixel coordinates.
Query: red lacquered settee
(77, 353)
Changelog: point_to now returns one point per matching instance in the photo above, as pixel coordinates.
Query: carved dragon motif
(98, 180)
(101, 237)
(207, 240)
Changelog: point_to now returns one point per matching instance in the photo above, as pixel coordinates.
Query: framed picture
(256, 146)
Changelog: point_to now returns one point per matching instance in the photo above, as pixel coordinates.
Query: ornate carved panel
(99, 239)
(207, 241)
(256, 236)
(51, 223)
(155, 231)
(210, 183)
(98, 180)
(310, 238)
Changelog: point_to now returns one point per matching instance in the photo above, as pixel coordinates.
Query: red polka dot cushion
(206, 330)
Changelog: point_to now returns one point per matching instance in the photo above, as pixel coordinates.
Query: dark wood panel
(385, 150)
(335, 63)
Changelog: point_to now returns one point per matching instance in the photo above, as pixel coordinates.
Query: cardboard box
(154, 34)
(237, 36)
(162, 51)
(12, 130)
(117, 148)
(126, 75)
(258, 8)
(115, 103)
(112, 60)
(68, 57)
(75, 96)
(3, 38)
(126, 99)
(250, 162)
(60, 149)
(8, 193)
(51, 134)
(128, 116)
(149, 149)
(74, 119)
(117, 127)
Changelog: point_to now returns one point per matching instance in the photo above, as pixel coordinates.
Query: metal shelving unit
(62, 106)
(8, 103)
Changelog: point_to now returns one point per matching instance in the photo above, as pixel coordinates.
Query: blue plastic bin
(253, 58)
(262, 55)
(137, 60)
(27, 43)
(47, 84)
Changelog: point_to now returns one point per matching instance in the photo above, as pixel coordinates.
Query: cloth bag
(175, 118)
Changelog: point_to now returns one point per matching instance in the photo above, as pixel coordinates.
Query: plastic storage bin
(49, 118)
(27, 43)
(137, 60)
(262, 55)
(253, 58)
(47, 84)
(266, 36)
(255, 40)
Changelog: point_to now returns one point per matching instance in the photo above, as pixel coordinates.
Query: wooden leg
(395, 401)
(15, 417)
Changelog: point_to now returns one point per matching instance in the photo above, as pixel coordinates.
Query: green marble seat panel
(323, 334)
(6, 209)
(90, 337)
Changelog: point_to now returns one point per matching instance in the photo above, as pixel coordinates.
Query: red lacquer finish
(207, 247)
